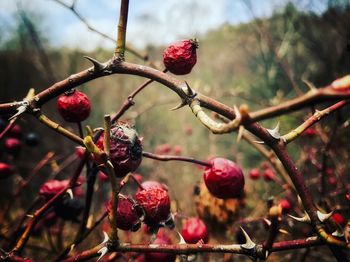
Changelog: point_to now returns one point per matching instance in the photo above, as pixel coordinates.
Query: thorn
(105, 238)
(309, 84)
(338, 233)
(268, 222)
(258, 142)
(304, 219)
(283, 231)
(182, 104)
(97, 65)
(29, 215)
(189, 92)
(103, 251)
(322, 216)
(275, 133)
(267, 253)
(240, 133)
(182, 240)
(183, 258)
(20, 110)
(70, 193)
(249, 244)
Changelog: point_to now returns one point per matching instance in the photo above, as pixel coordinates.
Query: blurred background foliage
(259, 63)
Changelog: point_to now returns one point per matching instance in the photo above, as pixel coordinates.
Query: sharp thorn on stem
(275, 133)
(98, 66)
(304, 219)
(249, 244)
(182, 104)
(103, 251)
(323, 216)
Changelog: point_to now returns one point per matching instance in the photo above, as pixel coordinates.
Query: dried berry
(74, 106)
(32, 139)
(224, 179)
(254, 174)
(128, 214)
(12, 145)
(179, 58)
(16, 132)
(6, 170)
(68, 209)
(52, 187)
(156, 204)
(160, 257)
(125, 149)
(194, 230)
(152, 184)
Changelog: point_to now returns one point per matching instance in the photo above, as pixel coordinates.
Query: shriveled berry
(285, 205)
(194, 230)
(74, 106)
(12, 145)
(153, 184)
(128, 217)
(52, 187)
(254, 174)
(32, 139)
(6, 170)
(156, 203)
(16, 132)
(179, 58)
(69, 209)
(269, 175)
(160, 257)
(125, 149)
(224, 179)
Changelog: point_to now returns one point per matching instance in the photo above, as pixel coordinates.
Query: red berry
(156, 204)
(339, 219)
(163, 149)
(125, 149)
(160, 257)
(188, 130)
(332, 181)
(224, 179)
(194, 230)
(12, 145)
(128, 218)
(254, 174)
(6, 170)
(177, 150)
(329, 171)
(74, 106)
(102, 176)
(310, 132)
(79, 151)
(180, 57)
(285, 205)
(52, 187)
(16, 132)
(269, 175)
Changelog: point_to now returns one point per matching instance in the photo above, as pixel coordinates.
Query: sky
(156, 22)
